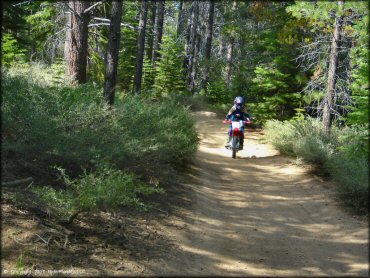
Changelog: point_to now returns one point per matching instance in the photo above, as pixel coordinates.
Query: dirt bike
(236, 134)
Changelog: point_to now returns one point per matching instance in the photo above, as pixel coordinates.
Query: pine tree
(169, 76)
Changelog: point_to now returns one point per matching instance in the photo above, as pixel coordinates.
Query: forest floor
(259, 214)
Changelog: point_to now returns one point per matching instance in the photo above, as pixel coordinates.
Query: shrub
(75, 125)
(312, 144)
(302, 137)
(11, 52)
(313, 149)
(352, 175)
(343, 154)
(280, 135)
(105, 188)
(75, 129)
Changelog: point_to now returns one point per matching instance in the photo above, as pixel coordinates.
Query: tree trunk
(180, 24)
(229, 61)
(187, 41)
(197, 54)
(229, 55)
(140, 47)
(111, 57)
(333, 66)
(190, 46)
(77, 42)
(207, 54)
(151, 26)
(158, 31)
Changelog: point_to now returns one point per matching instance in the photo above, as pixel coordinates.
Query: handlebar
(229, 122)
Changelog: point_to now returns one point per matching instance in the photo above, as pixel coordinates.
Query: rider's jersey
(237, 113)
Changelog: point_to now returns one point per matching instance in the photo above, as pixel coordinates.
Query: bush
(302, 137)
(280, 135)
(313, 145)
(75, 125)
(105, 188)
(352, 175)
(313, 149)
(343, 154)
(74, 128)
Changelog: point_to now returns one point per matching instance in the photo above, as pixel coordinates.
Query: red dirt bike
(237, 128)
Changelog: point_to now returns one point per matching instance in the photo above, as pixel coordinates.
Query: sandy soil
(259, 214)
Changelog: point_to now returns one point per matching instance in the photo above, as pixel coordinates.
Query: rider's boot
(227, 145)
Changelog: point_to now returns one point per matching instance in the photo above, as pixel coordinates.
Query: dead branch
(58, 244)
(17, 182)
(163, 211)
(21, 243)
(93, 6)
(66, 241)
(46, 242)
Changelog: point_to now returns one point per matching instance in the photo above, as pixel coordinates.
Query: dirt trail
(259, 215)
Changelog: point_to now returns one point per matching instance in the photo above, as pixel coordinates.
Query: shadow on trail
(259, 216)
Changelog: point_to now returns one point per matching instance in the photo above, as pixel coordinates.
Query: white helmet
(239, 101)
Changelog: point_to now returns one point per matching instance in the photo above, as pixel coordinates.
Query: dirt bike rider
(237, 113)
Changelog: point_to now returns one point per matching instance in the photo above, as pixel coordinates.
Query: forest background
(96, 95)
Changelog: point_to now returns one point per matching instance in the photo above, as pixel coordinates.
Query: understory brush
(49, 125)
(105, 188)
(343, 154)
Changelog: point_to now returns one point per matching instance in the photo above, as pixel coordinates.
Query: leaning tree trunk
(207, 54)
(333, 66)
(140, 47)
(77, 48)
(158, 31)
(111, 57)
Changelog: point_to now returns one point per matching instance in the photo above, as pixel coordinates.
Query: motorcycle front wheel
(234, 145)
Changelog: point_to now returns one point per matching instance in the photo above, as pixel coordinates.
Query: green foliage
(360, 74)
(106, 188)
(276, 100)
(77, 127)
(217, 92)
(148, 75)
(267, 73)
(169, 75)
(19, 265)
(42, 21)
(318, 13)
(280, 135)
(343, 154)
(303, 137)
(353, 58)
(11, 52)
(128, 46)
(352, 175)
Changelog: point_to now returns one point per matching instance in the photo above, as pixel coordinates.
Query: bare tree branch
(93, 6)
